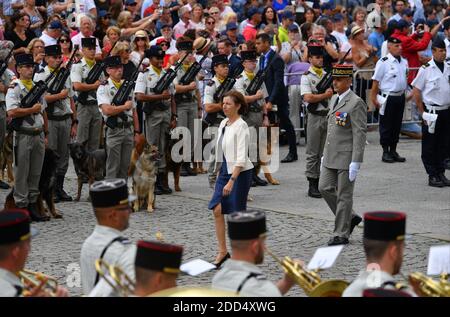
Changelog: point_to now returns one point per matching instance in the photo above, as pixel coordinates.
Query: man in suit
(224, 46)
(343, 153)
(278, 93)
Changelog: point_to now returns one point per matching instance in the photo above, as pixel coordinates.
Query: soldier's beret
(384, 225)
(184, 45)
(155, 51)
(246, 225)
(53, 50)
(342, 70)
(219, 59)
(15, 226)
(438, 43)
(157, 256)
(112, 61)
(315, 48)
(24, 59)
(248, 55)
(110, 193)
(88, 42)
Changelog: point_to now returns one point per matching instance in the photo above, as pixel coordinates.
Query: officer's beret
(112, 61)
(384, 225)
(219, 59)
(394, 40)
(248, 55)
(381, 292)
(24, 59)
(88, 42)
(438, 43)
(110, 193)
(155, 51)
(15, 226)
(315, 48)
(157, 256)
(246, 225)
(184, 45)
(342, 70)
(53, 50)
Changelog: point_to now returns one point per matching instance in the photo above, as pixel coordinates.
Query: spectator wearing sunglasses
(66, 47)
(167, 34)
(138, 46)
(165, 47)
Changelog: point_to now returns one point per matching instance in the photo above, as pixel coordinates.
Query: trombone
(115, 277)
(310, 281)
(430, 287)
(31, 280)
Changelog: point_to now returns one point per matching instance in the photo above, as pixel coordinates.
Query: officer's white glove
(353, 170)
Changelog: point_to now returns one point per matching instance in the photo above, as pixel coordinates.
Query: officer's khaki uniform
(59, 115)
(157, 123)
(316, 127)
(10, 284)
(244, 278)
(121, 253)
(373, 279)
(5, 79)
(88, 113)
(343, 145)
(29, 148)
(119, 141)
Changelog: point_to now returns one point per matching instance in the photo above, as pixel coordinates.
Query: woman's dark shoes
(222, 261)
(290, 158)
(355, 221)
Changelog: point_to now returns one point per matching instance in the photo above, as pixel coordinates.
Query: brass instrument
(115, 277)
(430, 287)
(310, 281)
(31, 280)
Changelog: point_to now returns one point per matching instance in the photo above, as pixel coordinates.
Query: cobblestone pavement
(183, 218)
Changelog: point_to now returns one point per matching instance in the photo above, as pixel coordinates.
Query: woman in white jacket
(235, 176)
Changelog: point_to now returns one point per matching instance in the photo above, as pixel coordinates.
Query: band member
(62, 122)
(89, 118)
(430, 84)
(343, 153)
(388, 94)
(159, 109)
(112, 210)
(119, 121)
(384, 244)
(29, 144)
(240, 274)
(317, 110)
(256, 116)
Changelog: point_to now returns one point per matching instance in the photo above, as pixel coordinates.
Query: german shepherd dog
(172, 166)
(6, 157)
(90, 166)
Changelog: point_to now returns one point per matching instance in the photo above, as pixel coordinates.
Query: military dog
(6, 157)
(144, 178)
(89, 166)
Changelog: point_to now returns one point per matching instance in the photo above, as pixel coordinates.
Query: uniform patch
(210, 82)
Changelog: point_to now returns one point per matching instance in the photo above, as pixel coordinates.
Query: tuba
(310, 281)
(430, 287)
(115, 277)
(31, 280)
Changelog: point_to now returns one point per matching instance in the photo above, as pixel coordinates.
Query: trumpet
(310, 281)
(32, 280)
(115, 277)
(430, 287)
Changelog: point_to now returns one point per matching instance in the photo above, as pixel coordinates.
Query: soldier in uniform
(388, 94)
(432, 94)
(159, 109)
(112, 210)
(240, 273)
(89, 116)
(188, 102)
(257, 114)
(317, 110)
(29, 139)
(157, 266)
(119, 121)
(343, 153)
(384, 244)
(61, 114)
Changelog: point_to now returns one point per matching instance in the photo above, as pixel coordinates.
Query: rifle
(31, 98)
(122, 96)
(4, 64)
(327, 80)
(258, 80)
(168, 77)
(193, 71)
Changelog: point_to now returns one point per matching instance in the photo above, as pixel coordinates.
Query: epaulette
(260, 277)
(145, 70)
(384, 59)
(104, 82)
(13, 84)
(40, 71)
(210, 82)
(240, 76)
(426, 65)
(306, 73)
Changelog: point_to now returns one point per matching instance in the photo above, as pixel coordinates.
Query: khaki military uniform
(119, 140)
(5, 79)
(10, 284)
(59, 115)
(88, 113)
(29, 148)
(244, 278)
(158, 121)
(316, 128)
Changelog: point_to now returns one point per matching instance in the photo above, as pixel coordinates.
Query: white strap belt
(437, 108)
(393, 93)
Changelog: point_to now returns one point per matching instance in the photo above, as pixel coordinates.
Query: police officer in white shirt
(432, 95)
(388, 94)
(112, 209)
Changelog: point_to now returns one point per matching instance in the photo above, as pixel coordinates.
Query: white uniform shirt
(210, 90)
(79, 73)
(181, 72)
(105, 94)
(6, 79)
(390, 74)
(10, 284)
(234, 273)
(308, 84)
(118, 253)
(244, 81)
(434, 84)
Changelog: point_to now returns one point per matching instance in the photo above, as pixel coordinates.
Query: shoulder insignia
(13, 84)
(125, 241)
(426, 65)
(145, 70)
(260, 277)
(306, 73)
(210, 82)
(40, 71)
(384, 59)
(104, 82)
(240, 76)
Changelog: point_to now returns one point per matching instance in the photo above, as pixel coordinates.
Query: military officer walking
(61, 114)
(159, 110)
(240, 273)
(384, 244)
(119, 121)
(112, 210)
(432, 95)
(29, 144)
(89, 117)
(388, 94)
(317, 110)
(343, 153)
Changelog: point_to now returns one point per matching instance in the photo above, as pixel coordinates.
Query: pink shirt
(249, 32)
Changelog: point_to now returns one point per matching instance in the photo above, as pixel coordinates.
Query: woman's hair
(113, 29)
(358, 10)
(16, 17)
(228, 16)
(306, 28)
(239, 99)
(134, 46)
(275, 16)
(122, 20)
(31, 44)
(120, 46)
(197, 5)
(65, 35)
(115, 9)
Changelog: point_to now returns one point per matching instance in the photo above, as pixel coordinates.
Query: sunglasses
(215, 12)
(64, 41)
(209, 23)
(163, 44)
(132, 5)
(140, 39)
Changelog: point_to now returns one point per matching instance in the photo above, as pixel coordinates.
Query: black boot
(257, 181)
(189, 170)
(387, 156)
(435, 181)
(34, 214)
(444, 179)
(60, 194)
(313, 190)
(158, 185)
(394, 154)
(165, 189)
